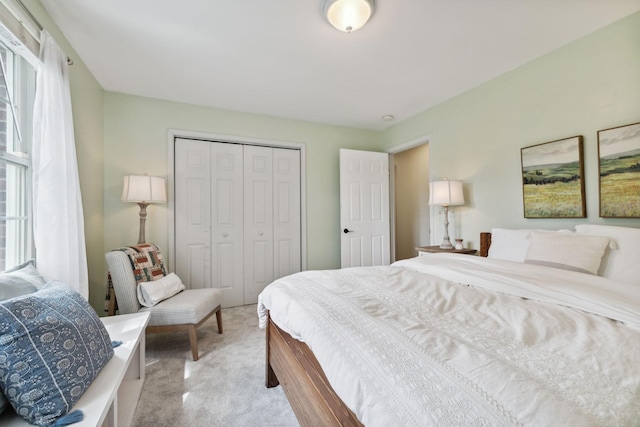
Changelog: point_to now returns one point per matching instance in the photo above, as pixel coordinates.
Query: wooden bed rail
(291, 364)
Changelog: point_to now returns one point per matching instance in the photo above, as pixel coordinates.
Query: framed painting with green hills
(553, 179)
(619, 154)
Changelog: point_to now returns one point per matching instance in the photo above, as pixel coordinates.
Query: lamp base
(446, 244)
(143, 218)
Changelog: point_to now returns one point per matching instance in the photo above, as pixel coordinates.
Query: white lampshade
(446, 193)
(348, 15)
(144, 188)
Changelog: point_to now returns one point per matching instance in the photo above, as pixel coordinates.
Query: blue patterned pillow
(19, 280)
(52, 346)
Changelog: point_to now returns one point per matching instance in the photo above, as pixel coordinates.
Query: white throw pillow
(512, 244)
(151, 293)
(621, 261)
(567, 251)
(509, 245)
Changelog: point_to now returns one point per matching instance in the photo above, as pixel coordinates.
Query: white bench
(112, 398)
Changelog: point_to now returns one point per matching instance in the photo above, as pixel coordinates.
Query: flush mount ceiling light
(348, 15)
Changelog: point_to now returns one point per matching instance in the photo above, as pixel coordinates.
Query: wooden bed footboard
(291, 364)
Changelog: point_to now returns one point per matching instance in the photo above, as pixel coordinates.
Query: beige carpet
(224, 388)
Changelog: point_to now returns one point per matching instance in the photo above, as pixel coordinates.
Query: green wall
(588, 85)
(136, 143)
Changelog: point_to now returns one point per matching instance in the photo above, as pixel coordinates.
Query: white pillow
(621, 262)
(151, 293)
(567, 251)
(512, 245)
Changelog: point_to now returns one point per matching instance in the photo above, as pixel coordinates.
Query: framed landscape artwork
(553, 179)
(619, 166)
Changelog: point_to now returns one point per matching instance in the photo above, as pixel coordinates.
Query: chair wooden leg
(219, 320)
(193, 338)
(112, 302)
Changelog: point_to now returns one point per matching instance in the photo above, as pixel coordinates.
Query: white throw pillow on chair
(151, 293)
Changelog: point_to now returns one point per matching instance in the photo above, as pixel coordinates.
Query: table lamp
(143, 190)
(446, 193)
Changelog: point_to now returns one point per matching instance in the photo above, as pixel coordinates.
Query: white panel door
(286, 212)
(227, 224)
(193, 212)
(258, 220)
(364, 208)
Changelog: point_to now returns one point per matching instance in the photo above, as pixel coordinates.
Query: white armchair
(186, 310)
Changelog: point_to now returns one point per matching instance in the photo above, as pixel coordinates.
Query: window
(17, 94)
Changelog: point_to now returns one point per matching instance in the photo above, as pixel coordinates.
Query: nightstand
(423, 250)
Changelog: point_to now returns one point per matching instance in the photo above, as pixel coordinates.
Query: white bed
(447, 339)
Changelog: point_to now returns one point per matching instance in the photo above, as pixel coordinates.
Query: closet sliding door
(286, 212)
(193, 215)
(209, 217)
(227, 225)
(237, 216)
(258, 220)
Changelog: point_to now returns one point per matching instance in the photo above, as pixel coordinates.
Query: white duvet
(459, 340)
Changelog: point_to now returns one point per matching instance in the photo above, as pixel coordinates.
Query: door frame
(172, 134)
(422, 140)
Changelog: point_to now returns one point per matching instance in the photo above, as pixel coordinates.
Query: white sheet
(402, 345)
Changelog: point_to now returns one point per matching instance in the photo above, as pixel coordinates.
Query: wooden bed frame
(291, 364)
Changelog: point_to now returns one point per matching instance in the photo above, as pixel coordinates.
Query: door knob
(225, 234)
(346, 230)
(260, 233)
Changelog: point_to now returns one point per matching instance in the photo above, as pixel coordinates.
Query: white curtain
(57, 204)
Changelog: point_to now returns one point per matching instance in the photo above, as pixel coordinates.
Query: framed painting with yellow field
(619, 166)
(553, 179)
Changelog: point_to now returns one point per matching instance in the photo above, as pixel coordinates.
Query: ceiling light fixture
(348, 15)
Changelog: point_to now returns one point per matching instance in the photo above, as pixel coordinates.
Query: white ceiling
(281, 58)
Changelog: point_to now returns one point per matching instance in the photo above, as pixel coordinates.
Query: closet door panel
(193, 213)
(258, 220)
(286, 211)
(227, 222)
